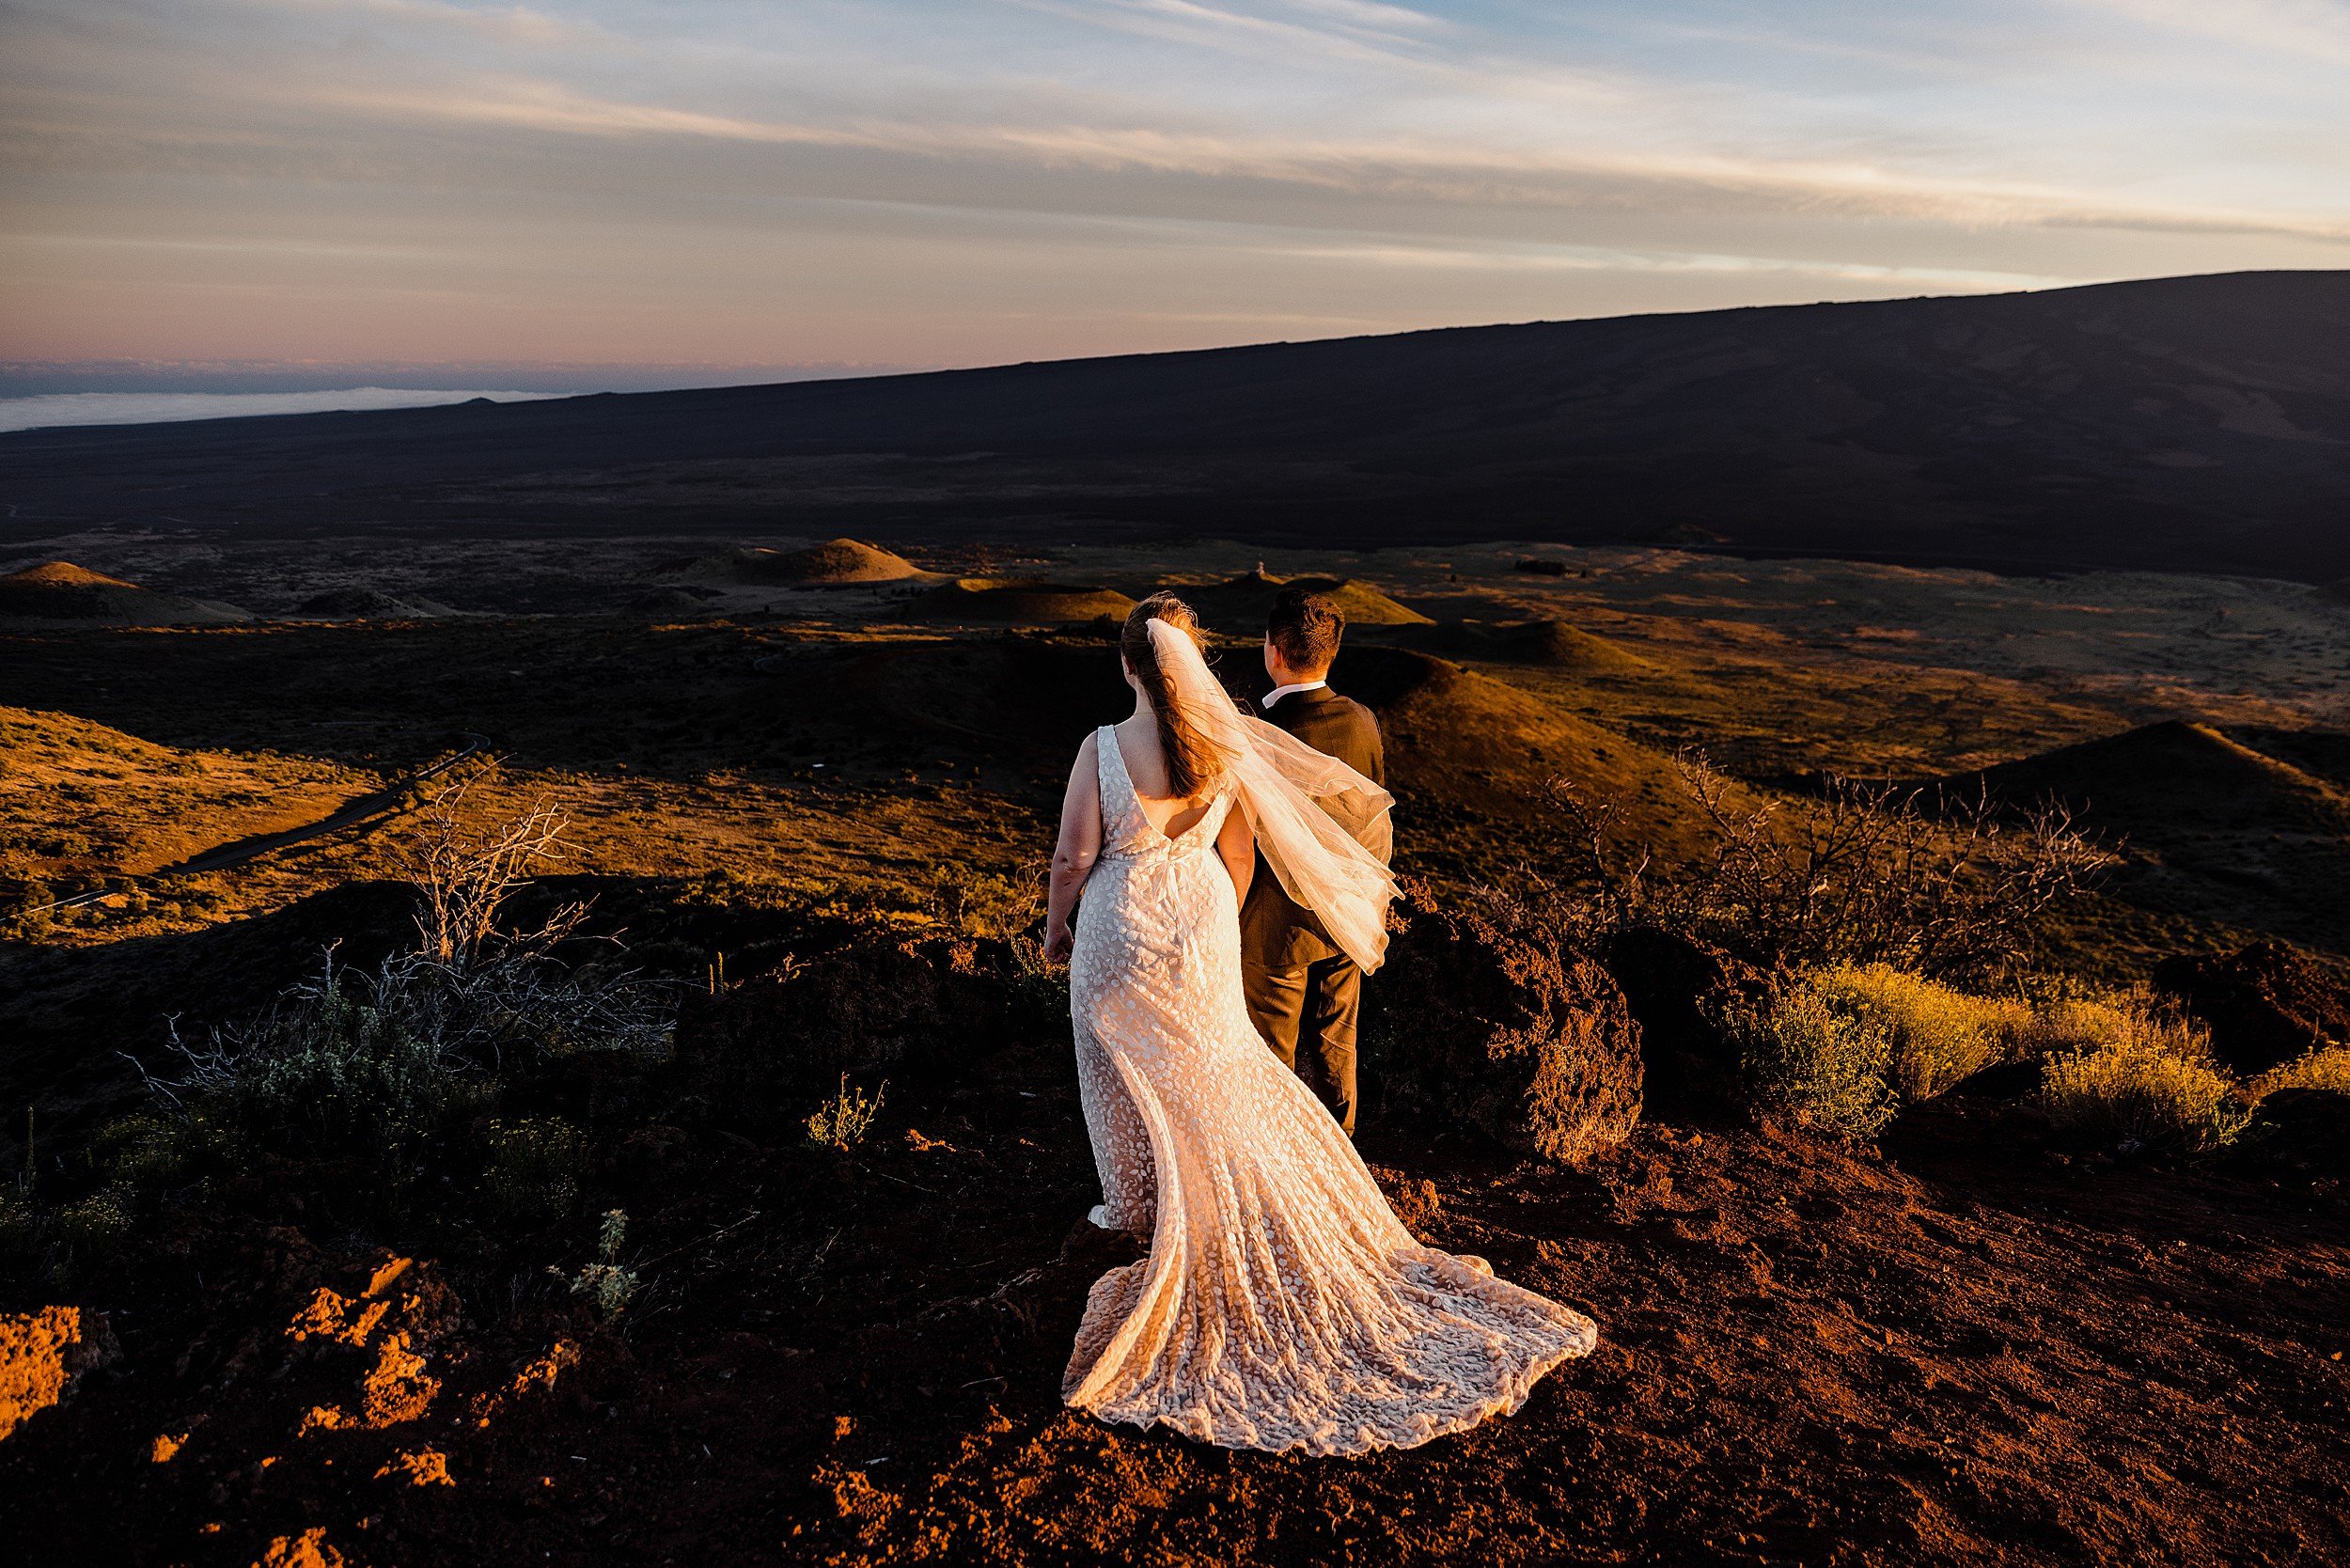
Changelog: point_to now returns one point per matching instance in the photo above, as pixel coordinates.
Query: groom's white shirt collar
(1279, 692)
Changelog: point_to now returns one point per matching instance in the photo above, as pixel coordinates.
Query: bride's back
(1144, 756)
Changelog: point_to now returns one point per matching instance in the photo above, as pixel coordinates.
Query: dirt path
(242, 851)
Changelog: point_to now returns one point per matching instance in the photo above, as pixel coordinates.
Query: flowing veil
(1322, 827)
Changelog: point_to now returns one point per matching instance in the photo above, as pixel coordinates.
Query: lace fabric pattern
(1283, 1305)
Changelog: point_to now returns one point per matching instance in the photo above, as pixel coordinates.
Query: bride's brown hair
(1191, 761)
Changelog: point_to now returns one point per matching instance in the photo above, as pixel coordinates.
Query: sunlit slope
(79, 800)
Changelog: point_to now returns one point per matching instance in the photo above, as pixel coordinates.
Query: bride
(1283, 1304)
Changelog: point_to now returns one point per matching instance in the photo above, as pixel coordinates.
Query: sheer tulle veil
(1322, 827)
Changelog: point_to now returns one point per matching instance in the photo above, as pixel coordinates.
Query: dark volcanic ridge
(1238, 606)
(2193, 424)
(361, 604)
(2249, 825)
(835, 563)
(994, 599)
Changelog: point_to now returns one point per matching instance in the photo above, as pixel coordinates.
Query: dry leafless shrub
(465, 864)
(1860, 874)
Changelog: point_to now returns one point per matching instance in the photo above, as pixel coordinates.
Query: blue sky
(904, 182)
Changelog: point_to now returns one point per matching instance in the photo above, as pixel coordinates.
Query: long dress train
(1283, 1304)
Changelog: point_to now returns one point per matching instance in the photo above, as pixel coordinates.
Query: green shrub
(1821, 1064)
(534, 1166)
(92, 1228)
(608, 1286)
(326, 1075)
(373, 1066)
(2126, 1075)
(1936, 1035)
(142, 1153)
(342, 1078)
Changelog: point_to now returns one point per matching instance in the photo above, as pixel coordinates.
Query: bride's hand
(1057, 943)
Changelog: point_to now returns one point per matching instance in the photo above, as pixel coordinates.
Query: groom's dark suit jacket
(1274, 933)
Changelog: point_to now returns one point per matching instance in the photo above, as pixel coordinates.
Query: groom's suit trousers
(1304, 994)
(1307, 1014)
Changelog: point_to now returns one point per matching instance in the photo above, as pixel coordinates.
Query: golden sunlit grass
(2125, 1075)
(80, 801)
(1821, 1064)
(1936, 1035)
(2327, 1068)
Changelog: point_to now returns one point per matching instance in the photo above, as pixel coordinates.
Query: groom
(1303, 993)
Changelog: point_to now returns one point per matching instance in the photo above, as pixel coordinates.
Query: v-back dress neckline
(1126, 773)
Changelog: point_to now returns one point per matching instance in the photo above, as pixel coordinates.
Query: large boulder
(1493, 1023)
(2265, 1005)
(1676, 987)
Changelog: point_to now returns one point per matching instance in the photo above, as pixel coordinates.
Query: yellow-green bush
(2328, 1067)
(1934, 1035)
(1820, 1063)
(2123, 1073)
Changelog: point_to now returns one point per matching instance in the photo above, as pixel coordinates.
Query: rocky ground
(1964, 1344)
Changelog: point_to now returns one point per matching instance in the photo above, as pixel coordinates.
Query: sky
(670, 188)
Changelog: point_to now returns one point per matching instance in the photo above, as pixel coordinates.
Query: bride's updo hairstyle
(1192, 763)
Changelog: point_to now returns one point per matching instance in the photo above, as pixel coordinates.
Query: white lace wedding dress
(1282, 1305)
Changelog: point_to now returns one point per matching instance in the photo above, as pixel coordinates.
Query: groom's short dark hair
(1304, 628)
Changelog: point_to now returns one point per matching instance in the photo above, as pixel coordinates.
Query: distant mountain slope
(2195, 423)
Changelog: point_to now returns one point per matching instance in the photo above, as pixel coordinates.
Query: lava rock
(1675, 986)
(2003, 1080)
(1494, 1023)
(2266, 1004)
(2305, 1130)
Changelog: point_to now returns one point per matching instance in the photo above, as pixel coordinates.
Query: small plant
(143, 1153)
(1823, 1065)
(1938, 1035)
(2137, 1079)
(534, 1166)
(93, 1227)
(842, 1121)
(986, 903)
(606, 1285)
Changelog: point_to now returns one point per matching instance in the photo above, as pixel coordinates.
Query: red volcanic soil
(1964, 1349)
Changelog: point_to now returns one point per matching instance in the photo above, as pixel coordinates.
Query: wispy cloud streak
(1441, 161)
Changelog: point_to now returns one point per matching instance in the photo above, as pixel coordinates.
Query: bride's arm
(1073, 856)
(1236, 843)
